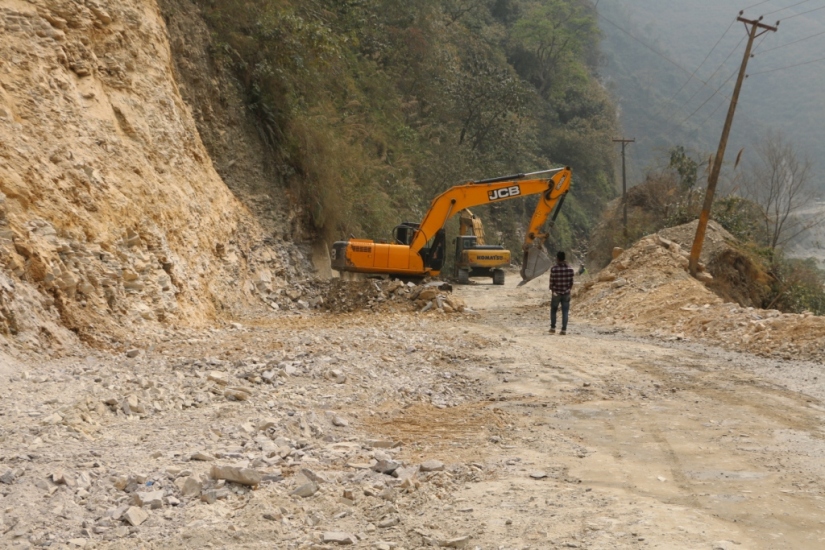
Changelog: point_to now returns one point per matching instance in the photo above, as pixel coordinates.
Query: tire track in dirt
(729, 439)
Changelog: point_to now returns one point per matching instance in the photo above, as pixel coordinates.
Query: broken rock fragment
(389, 522)
(189, 487)
(204, 457)
(335, 375)
(237, 393)
(135, 516)
(458, 542)
(153, 499)
(218, 377)
(335, 537)
(244, 476)
(386, 466)
(306, 490)
(432, 466)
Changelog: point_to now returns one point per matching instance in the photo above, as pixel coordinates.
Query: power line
(756, 47)
(794, 42)
(669, 60)
(724, 34)
(712, 95)
(788, 7)
(755, 5)
(685, 104)
(788, 67)
(640, 41)
(704, 120)
(804, 12)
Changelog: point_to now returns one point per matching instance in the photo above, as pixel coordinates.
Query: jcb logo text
(507, 192)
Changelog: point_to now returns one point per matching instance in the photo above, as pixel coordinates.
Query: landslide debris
(226, 437)
(391, 295)
(648, 287)
(737, 277)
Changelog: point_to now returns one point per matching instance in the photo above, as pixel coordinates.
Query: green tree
(550, 40)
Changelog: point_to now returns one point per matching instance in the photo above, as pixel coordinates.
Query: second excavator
(417, 250)
(473, 256)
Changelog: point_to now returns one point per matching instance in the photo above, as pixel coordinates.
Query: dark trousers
(564, 300)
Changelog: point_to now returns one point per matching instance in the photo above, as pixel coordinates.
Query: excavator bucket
(536, 262)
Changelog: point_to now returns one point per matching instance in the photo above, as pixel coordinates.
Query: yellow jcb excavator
(473, 256)
(418, 249)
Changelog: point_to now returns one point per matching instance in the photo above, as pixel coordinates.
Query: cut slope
(110, 207)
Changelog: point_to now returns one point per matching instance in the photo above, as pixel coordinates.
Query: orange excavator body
(418, 249)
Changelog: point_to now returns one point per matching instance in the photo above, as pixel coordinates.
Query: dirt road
(597, 439)
(646, 443)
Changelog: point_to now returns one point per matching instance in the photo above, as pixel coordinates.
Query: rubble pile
(384, 295)
(293, 445)
(647, 286)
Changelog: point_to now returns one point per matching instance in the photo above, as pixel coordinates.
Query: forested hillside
(671, 67)
(372, 107)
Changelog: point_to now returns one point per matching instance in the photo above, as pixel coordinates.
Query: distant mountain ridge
(656, 99)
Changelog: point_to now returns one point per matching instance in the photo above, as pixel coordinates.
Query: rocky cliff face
(111, 212)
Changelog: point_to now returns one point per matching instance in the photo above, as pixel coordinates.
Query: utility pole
(624, 143)
(753, 28)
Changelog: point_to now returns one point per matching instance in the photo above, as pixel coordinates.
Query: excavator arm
(467, 195)
(536, 261)
(419, 248)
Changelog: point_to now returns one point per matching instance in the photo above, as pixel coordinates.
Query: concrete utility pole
(752, 27)
(624, 143)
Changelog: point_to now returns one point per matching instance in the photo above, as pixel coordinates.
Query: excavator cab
(432, 254)
(404, 233)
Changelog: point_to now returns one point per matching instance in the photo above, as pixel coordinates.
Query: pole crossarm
(758, 24)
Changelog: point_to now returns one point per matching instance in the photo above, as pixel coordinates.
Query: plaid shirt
(561, 278)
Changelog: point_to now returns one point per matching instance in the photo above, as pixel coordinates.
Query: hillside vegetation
(372, 107)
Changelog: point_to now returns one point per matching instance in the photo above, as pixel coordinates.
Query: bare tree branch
(780, 182)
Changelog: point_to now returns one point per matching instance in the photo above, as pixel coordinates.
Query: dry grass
(448, 434)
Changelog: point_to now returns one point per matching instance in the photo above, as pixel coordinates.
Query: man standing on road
(561, 281)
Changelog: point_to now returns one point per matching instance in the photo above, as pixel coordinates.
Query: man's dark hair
(560, 255)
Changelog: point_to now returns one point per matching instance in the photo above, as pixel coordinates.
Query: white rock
(386, 466)
(432, 466)
(306, 490)
(189, 486)
(244, 476)
(135, 516)
(459, 542)
(153, 499)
